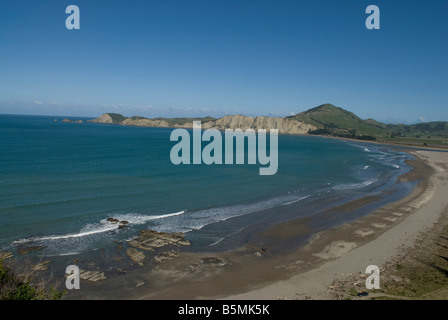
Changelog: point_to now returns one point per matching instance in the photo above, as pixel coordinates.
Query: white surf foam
(294, 201)
(216, 242)
(201, 218)
(349, 186)
(135, 218)
(101, 227)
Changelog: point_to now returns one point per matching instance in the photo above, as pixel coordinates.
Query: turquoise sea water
(59, 182)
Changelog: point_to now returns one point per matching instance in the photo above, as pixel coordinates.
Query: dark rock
(212, 262)
(27, 249)
(363, 294)
(121, 271)
(113, 220)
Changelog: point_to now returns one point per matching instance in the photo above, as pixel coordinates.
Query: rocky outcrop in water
(121, 224)
(71, 121)
(150, 240)
(25, 249)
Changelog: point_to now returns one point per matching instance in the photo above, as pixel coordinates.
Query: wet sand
(373, 240)
(263, 269)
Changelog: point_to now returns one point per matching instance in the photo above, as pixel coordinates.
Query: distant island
(324, 120)
(71, 121)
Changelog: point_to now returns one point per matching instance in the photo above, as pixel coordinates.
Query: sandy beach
(404, 221)
(264, 269)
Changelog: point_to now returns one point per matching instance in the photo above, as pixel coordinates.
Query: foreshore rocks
(208, 263)
(136, 256)
(149, 240)
(213, 262)
(25, 249)
(167, 255)
(93, 276)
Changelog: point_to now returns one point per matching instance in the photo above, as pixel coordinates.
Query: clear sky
(216, 57)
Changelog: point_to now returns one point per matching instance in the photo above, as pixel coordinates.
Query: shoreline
(411, 217)
(391, 144)
(252, 273)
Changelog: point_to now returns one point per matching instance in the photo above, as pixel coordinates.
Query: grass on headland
(419, 274)
(19, 283)
(423, 273)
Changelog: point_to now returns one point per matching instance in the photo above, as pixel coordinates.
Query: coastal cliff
(326, 120)
(284, 125)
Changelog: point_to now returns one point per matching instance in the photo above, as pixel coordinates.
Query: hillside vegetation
(334, 121)
(325, 119)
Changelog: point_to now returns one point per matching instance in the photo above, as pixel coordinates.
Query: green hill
(334, 121)
(116, 117)
(436, 129)
(331, 121)
(339, 122)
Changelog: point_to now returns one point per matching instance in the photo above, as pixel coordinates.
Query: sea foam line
(355, 185)
(216, 242)
(294, 201)
(104, 226)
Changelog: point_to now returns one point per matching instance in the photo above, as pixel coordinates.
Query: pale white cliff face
(144, 123)
(284, 125)
(105, 118)
(233, 122)
(242, 122)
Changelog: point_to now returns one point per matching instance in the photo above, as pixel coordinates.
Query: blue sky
(216, 57)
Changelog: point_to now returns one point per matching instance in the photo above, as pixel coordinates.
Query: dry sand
(409, 218)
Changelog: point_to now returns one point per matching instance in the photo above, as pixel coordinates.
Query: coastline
(254, 271)
(392, 144)
(404, 222)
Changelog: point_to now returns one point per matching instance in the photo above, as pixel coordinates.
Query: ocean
(59, 182)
